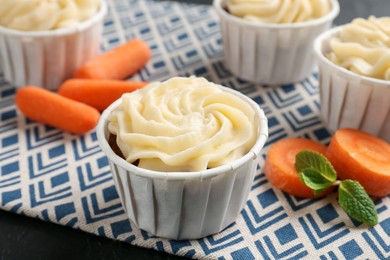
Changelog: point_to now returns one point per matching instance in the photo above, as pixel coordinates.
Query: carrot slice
(279, 166)
(362, 157)
(57, 111)
(97, 93)
(119, 63)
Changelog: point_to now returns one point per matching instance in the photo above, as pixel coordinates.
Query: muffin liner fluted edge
(270, 53)
(349, 100)
(184, 205)
(47, 58)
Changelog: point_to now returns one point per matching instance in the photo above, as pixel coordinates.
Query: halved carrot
(279, 166)
(54, 110)
(97, 93)
(362, 157)
(119, 63)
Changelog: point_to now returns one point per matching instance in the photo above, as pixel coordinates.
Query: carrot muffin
(190, 150)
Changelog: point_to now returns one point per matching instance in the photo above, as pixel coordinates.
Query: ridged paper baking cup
(270, 53)
(47, 58)
(184, 205)
(348, 99)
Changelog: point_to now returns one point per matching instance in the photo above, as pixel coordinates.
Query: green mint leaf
(356, 202)
(314, 180)
(310, 159)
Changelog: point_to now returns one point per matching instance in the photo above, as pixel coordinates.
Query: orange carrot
(279, 166)
(362, 157)
(97, 93)
(54, 110)
(119, 63)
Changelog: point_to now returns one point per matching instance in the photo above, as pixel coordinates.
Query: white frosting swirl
(279, 11)
(41, 15)
(363, 46)
(183, 124)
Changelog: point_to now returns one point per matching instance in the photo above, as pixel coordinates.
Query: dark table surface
(26, 238)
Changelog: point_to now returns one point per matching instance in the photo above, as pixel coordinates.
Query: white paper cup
(184, 205)
(47, 58)
(348, 99)
(270, 53)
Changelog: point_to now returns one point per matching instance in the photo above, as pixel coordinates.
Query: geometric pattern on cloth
(65, 179)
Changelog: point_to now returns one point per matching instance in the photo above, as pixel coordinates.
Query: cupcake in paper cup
(270, 42)
(183, 155)
(354, 69)
(42, 42)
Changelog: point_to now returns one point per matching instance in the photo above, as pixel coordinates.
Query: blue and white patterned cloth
(65, 179)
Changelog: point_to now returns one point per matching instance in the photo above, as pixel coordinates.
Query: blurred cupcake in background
(268, 41)
(354, 64)
(42, 42)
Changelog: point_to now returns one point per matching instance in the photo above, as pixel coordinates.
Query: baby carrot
(119, 63)
(279, 166)
(54, 110)
(362, 157)
(97, 93)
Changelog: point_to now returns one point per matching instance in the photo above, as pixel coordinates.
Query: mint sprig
(310, 159)
(355, 201)
(314, 180)
(316, 172)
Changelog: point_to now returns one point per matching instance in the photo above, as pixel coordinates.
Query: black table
(27, 238)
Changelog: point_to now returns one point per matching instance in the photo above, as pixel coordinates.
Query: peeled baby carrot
(54, 110)
(362, 157)
(97, 93)
(279, 166)
(119, 63)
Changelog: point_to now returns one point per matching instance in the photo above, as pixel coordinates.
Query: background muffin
(260, 50)
(354, 70)
(43, 42)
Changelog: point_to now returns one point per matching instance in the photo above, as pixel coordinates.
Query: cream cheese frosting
(279, 11)
(41, 15)
(183, 124)
(363, 46)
